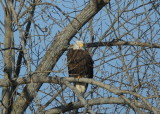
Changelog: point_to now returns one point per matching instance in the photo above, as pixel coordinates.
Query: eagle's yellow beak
(81, 45)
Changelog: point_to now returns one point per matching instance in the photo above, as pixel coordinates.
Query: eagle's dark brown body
(80, 65)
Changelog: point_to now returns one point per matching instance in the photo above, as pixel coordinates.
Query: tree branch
(57, 48)
(96, 101)
(42, 108)
(84, 102)
(61, 80)
(122, 43)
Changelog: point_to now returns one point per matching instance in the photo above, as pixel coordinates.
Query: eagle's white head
(78, 45)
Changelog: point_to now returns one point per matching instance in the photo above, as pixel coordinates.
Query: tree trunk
(8, 61)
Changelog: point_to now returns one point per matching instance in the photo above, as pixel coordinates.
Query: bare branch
(79, 96)
(56, 49)
(123, 43)
(41, 108)
(61, 80)
(96, 101)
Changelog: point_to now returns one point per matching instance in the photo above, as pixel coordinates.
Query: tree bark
(8, 60)
(95, 101)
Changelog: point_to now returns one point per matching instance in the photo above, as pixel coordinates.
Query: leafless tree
(123, 37)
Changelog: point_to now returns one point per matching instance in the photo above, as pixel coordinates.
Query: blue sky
(107, 60)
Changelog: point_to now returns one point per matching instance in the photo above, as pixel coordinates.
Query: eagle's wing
(80, 63)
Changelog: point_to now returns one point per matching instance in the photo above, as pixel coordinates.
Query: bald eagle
(80, 64)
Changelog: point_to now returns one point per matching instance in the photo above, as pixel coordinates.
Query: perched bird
(80, 64)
